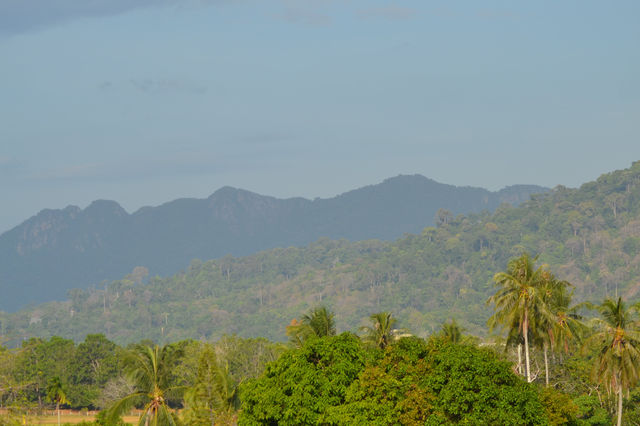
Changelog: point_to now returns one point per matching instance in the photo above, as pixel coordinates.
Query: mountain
(589, 236)
(58, 250)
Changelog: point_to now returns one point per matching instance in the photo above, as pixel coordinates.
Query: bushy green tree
(301, 386)
(94, 362)
(439, 383)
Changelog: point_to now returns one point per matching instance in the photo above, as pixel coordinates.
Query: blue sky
(146, 101)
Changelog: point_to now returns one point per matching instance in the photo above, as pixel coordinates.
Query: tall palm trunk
(525, 331)
(520, 359)
(546, 366)
(619, 403)
(58, 410)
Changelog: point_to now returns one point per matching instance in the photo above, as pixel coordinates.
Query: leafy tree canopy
(304, 383)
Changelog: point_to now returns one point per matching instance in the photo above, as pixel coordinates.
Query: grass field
(68, 417)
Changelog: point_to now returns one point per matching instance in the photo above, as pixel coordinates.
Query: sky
(146, 101)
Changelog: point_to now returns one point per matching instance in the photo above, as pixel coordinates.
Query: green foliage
(388, 390)
(452, 332)
(93, 364)
(632, 408)
(56, 392)
(591, 412)
(302, 385)
(319, 322)
(520, 302)
(474, 387)
(560, 409)
(381, 332)
(213, 397)
(101, 420)
(436, 383)
(412, 382)
(151, 369)
(246, 358)
(618, 338)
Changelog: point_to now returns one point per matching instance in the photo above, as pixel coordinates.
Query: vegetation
(304, 383)
(345, 379)
(617, 336)
(520, 296)
(575, 371)
(588, 236)
(150, 370)
(381, 332)
(317, 323)
(56, 394)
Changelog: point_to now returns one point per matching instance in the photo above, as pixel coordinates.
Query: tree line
(550, 366)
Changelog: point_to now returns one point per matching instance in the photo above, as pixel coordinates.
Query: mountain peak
(105, 207)
(77, 248)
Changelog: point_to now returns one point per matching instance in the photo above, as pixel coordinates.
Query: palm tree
(321, 321)
(518, 297)
(618, 339)
(56, 393)
(318, 322)
(452, 332)
(381, 333)
(563, 325)
(150, 369)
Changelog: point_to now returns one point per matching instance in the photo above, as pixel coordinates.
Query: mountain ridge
(589, 236)
(57, 250)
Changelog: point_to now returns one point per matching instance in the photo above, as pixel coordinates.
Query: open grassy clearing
(67, 416)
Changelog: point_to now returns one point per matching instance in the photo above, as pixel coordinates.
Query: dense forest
(554, 368)
(589, 236)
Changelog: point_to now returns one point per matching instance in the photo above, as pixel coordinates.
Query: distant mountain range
(58, 250)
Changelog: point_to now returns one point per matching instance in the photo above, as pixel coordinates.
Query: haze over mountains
(58, 250)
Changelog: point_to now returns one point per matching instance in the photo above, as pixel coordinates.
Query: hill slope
(589, 236)
(57, 250)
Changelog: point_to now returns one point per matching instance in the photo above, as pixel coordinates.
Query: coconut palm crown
(150, 369)
(381, 333)
(519, 301)
(618, 338)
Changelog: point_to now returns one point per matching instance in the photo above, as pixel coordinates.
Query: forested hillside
(589, 236)
(58, 250)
